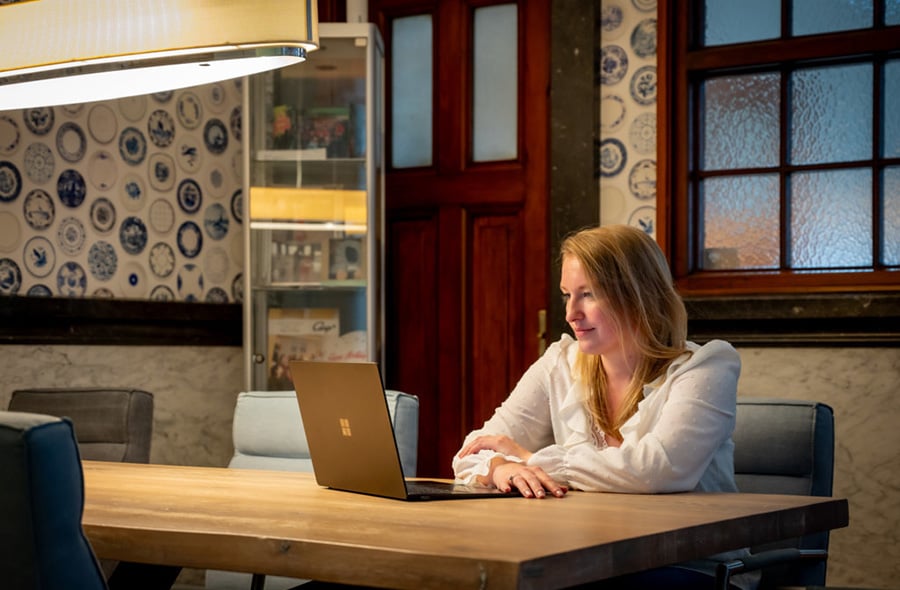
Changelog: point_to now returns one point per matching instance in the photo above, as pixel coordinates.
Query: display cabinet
(314, 185)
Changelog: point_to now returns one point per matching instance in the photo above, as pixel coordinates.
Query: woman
(628, 406)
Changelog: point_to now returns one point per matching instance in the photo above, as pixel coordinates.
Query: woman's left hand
(499, 443)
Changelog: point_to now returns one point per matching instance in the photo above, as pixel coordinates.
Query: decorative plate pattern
(644, 218)
(70, 235)
(612, 112)
(644, 5)
(215, 221)
(237, 288)
(9, 134)
(162, 259)
(39, 290)
(71, 142)
(133, 281)
(163, 97)
(643, 38)
(611, 17)
(644, 86)
(39, 209)
(10, 181)
(189, 154)
(10, 277)
(613, 64)
(162, 216)
(189, 110)
(102, 123)
(215, 265)
(103, 215)
(71, 280)
(237, 206)
(102, 260)
(216, 185)
(103, 293)
(190, 240)
(133, 107)
(133, 235)
(70, 109)
(215, 136)
(216, 295)
(189, 195)
(642, 133)
(10, 232)
(39, 163)
(612, 157)
(161, 128)
(133, 192)
(132, 146)
(216, 97)
(235, 122)
(39, 121)
(190, 282)
(162, 293)
(71, 188)
(162, 172)
(102, 170)
(642, 180)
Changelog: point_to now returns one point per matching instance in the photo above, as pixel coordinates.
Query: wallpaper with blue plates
(137, 198)
(626, 78)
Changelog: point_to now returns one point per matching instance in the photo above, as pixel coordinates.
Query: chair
(268, 434)
(110, 424)
(42, 543)
(783, 447)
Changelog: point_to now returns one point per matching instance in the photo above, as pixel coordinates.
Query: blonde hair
(626, 267)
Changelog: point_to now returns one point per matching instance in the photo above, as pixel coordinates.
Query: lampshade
(72, 51)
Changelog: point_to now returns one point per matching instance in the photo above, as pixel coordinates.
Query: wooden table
(285, 524)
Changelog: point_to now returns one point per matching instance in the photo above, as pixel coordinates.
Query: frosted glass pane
(831, 114)
(495, 88)
(740, 21)
(411, 92)
(740, 222)
(891, 136)
(812, 17)
(892, 12)
(740, 121)
(891, 214)
(831, 219)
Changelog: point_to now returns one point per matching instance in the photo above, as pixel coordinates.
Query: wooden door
(466, 243)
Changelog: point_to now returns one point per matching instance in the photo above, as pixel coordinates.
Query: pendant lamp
(56, 52)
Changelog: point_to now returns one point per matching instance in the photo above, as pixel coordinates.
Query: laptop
(351, 437)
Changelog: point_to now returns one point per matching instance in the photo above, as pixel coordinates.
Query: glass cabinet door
(314, 206)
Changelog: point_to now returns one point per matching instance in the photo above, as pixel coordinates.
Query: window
(784, 145)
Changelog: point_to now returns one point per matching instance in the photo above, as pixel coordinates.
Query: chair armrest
(764, 559)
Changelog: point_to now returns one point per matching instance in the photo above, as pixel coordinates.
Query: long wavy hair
(626, 267)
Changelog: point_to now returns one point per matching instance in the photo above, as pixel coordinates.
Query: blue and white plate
(39, 163)
(237, 206)
(70, 235)
(612, 112)
(642, 133)
(10, 181)
(237, 288)
(9, 134)
(133, 235)
(644, 218)
(163, 97)
(190, 197)
(10, 232)
(215, 221)
(645, 5)
(216, 295)
(613, 64)
(133, 281)
(190, 282)
(71, 142)
(10, 277)
(643, 38)
(40, 120)
(102, 123)
(133, 107)
(215, 95)
(162, 216)
(102, 260)
(215, 136)
(216, 186)
(162, 172)
(39, 256)
(612, 157)
(162, 259)
(103, 293)
(189, 110)
(189, 239)
(39, 290)
(162, 293)
(235, 122)
(642, 180)
(71, 188)
(102, 170)
(132, 146)
(133, 192)
(611, 17)
(69, 109)
(71, 280)
(161, 128)
(103, 215)
(644, 86)
(39, 209)
(189, 154)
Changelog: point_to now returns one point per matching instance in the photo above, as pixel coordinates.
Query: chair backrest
(110, 424)
(786, 447)
(42, 543)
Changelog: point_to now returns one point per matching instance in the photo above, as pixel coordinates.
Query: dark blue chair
(42, 542)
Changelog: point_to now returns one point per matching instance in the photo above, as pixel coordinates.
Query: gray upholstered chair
(784, 447)
(268, 434)
(110, 424)
(42, 543)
